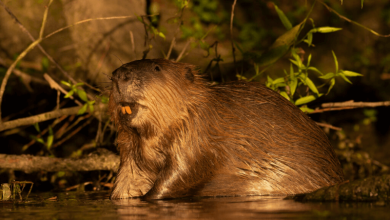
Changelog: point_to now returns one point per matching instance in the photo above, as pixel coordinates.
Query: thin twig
(73, 125)
(44, 19)
(58, 120)
(54, 85)
(173, 42)
(10, 69)
(351, 103)
(132, 43)
(72, 133)
(231, 34)
(182, 52)
(337, 106)
(328, 126)
(91, 19)
(329, 109)
(26, 78)
(33, 40)
(99, 130)
(351, 21)
(147, 42)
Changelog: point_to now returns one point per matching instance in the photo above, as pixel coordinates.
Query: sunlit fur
(192, 139)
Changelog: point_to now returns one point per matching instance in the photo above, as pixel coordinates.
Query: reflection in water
(206, 208)
(96, 205)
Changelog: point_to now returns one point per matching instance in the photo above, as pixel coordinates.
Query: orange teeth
(126, 109)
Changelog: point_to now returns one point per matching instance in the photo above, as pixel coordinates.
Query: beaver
(180, 136)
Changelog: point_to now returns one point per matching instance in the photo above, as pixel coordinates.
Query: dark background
(91, 51)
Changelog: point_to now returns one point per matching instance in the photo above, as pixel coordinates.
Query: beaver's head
(149, 96)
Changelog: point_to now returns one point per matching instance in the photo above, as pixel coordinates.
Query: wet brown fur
(186, 138)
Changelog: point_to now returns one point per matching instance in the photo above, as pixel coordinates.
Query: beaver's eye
(157, 68)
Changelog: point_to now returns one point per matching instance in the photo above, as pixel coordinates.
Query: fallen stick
(29, 163)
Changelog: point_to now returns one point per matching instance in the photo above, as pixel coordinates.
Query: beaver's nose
(122, 73)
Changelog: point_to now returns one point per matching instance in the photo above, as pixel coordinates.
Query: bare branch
(353, 104)
(171, 47)
(132, 43)
(231, 34)
(328, 126)
(337, 106)
(184, 50)
(28, 163)
(39, 118)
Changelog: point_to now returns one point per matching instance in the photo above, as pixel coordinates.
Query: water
(96, 205)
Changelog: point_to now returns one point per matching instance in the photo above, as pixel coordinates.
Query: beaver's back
(278, 149)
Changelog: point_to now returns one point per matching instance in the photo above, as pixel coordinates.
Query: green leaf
(344, 77)
(350, 73)
(45, 64)
(308, 61)
(284, 94)
(332, 82)
(278, 80)
(79, 84)
(297, 59)
(293, 86)
(36, 126)
(50, 138)
(310, 84)
(40, 140)
(69, 94)
(335, 62)
(306, 109)
(305, 100)
(309, 38)
(65, 83)
(60, 174)
(315, 70)
(294, 62)
(82, 95)
(293, 81)
(104, 99)
(82, 109)
(327, 76)
(269, 79)
(325, 29)
(91, 108)
(362, 3)
(240, 77)
(280, 85)
(287, 24)
(25, 147)
(161, 35)
(279, 47)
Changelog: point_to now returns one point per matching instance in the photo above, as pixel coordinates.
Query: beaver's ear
(189, 74)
